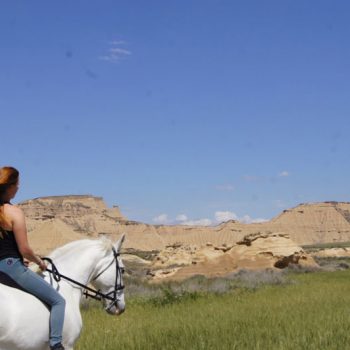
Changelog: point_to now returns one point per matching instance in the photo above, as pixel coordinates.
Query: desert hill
(71, 216)
(83, 213)
(52, 234)
(316, 223)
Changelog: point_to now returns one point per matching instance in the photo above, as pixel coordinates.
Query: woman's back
(8, 246)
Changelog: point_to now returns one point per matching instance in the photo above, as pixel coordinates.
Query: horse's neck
(79, 267)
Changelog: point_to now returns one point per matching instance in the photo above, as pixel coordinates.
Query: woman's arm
(19, 229)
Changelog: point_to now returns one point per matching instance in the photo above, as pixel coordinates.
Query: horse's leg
(72, 325)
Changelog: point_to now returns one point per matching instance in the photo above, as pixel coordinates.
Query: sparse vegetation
(269, 310)
(333, 263)
(146, 255)
(315, 247)
(245, 279)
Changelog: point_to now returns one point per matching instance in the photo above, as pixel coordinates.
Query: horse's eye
(122, 270)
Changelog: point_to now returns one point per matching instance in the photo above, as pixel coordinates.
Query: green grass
(310, 312)
(318, 246)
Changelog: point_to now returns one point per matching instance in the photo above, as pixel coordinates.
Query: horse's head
(109, 279)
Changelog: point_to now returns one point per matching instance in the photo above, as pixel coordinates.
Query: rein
(88, 291)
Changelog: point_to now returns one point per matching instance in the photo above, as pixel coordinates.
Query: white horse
(24, 320)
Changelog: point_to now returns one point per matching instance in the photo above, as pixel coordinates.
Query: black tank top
(8, 246)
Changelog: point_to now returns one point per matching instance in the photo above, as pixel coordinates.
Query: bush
(171, 296)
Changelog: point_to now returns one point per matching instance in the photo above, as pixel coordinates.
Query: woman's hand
(42, 265)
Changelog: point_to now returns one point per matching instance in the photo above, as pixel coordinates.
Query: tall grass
(307, 311)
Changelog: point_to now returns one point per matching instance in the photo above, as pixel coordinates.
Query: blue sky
(178, 111)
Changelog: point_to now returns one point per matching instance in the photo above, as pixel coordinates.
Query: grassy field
(302, 311)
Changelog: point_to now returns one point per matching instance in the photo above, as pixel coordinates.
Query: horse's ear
(119, 242)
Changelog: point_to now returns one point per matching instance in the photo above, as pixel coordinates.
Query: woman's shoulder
(13, 214)
(12, 210)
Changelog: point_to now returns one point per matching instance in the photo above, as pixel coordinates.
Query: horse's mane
(103, 244)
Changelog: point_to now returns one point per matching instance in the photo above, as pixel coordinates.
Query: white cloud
(200, 222)
(246, 219)
(222, 216)
(283, 173)
(181, 217)
(118, 51)
(219, 217)
(259, 220)
(161, 219)
(227, 187)
(115, 52)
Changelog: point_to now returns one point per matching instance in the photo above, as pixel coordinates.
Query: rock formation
(184, 251)
(315, 223)
(89, 216)
(255, 251)
(86, 214)
(331, 253)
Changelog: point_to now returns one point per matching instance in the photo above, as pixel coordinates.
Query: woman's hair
(8, 176)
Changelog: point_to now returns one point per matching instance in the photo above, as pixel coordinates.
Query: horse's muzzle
(119, 311)
(116, 308)
(114, 311)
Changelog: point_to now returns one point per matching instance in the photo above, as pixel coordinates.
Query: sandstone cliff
(89, 216)
(85, 214)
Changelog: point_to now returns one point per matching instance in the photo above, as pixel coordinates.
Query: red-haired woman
(14, 247)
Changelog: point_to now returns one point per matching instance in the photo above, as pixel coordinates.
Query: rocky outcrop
(182, 255)
(86, 214)
(278, 248)
(255, 251)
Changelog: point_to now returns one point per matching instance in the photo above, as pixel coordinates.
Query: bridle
(118, 285)
(93, 293)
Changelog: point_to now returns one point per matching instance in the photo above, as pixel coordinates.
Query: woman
(14, 247)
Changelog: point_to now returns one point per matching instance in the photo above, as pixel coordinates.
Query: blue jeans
(37, 286)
